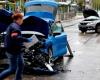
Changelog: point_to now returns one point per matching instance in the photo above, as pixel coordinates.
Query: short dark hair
(16, 16)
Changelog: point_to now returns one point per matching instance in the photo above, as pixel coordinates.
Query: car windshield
(40, 8)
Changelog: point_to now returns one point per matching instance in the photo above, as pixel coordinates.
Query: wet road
(85, 65)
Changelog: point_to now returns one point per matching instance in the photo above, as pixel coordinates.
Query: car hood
(90, 19)
(33, 23)
(86, 22)
(89, 12)
(28, 32)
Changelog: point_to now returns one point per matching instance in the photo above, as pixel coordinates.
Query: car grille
(83, 23)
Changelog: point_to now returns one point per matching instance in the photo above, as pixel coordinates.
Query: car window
(57, 27)
(40, 7)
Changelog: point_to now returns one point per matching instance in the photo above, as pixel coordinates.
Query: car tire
(55, 61)
(97, 28)
(59, 60)
(50, 53)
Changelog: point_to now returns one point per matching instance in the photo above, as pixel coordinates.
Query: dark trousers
(16, 65)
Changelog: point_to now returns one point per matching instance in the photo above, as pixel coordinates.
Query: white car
(90, 23)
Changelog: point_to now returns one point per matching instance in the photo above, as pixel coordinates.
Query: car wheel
(59, 60)
(50, 53)
(55, 62)
(97, 29)
(51, 60)
(59, 63)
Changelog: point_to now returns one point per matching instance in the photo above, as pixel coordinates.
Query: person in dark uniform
(14, 45)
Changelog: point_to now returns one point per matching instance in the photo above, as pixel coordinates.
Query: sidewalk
(72, 21)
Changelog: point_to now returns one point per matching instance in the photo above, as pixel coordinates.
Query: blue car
(43, 14)
(39, 20)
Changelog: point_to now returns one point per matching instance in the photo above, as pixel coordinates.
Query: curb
(72, 19)
(70, 25)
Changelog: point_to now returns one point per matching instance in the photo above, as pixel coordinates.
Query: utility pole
(87, 3)
(20, 3)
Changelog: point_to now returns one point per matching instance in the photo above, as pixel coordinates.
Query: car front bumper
(88, 27)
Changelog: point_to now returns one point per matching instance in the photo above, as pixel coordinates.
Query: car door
(59, 40)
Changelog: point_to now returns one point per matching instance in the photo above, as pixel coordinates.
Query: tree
(81, 3)
(96, 4)
(12, 1)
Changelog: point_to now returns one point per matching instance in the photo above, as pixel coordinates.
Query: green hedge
(12, 5)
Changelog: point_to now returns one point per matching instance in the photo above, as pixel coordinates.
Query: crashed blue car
(39, 20)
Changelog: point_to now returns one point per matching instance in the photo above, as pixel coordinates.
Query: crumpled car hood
(33, 23)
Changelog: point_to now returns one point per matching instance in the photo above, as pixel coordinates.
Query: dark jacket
(13, 39)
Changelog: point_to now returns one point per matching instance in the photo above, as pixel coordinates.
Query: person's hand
(29, 39)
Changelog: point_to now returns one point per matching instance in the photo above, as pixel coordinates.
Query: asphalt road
(85, 65)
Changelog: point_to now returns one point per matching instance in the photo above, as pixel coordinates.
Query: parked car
(90, 23)
(39, 20)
